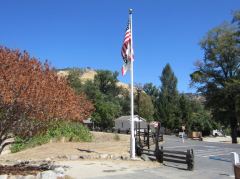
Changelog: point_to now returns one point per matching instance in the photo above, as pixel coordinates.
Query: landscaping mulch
(23, 169)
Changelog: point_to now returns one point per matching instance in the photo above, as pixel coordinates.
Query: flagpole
(132, 140)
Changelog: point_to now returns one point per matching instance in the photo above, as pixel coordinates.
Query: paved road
(212, 161)
(203, 149)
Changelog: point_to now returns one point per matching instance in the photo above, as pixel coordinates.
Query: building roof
(128, 118)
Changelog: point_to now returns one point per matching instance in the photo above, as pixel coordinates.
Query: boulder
(103, 156)
(3, 176)
(73, 157)
(145, 157)
(59, 170)
(29, 177)
(47, 175)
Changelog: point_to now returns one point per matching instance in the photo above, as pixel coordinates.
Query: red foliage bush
(34, 90)
(37, 87)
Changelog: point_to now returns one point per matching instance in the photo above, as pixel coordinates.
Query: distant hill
(195, 97)
(86, 74)
(89, 74)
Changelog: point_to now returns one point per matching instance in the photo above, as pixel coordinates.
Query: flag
(127, 50)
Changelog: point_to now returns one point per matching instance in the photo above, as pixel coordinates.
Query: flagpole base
(132, 152)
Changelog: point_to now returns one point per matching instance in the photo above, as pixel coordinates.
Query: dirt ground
(102, 143)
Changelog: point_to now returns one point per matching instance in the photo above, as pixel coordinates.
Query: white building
(123, 123)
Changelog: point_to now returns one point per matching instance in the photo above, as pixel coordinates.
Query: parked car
(217, 133)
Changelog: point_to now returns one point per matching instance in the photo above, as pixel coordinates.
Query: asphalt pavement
(212, 161)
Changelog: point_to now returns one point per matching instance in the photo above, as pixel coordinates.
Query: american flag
(127, 50)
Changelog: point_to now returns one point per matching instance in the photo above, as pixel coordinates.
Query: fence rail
(183, 157)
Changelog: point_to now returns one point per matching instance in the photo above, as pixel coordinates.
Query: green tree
(169, 82)
(105, 113)
(217, 76)
(185, 109)
(153, 92)
(124, 100)
(103, 90)
(168, 99)
(200, 119)
(104, 94)
(106, 81)
(145, 106)
(74, 81)
(194, 115)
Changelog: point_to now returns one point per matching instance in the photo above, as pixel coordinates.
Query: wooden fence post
(161, 155)
(138, 149)
(148, 137)
(144, 137)
(189, 159)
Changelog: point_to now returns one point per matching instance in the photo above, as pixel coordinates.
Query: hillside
(89, 74)
(196, 97)
(86, 74)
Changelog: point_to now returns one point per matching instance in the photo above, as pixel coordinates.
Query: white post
(132, 139)
(235, 158)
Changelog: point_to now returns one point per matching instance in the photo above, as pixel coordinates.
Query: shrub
(72, 131)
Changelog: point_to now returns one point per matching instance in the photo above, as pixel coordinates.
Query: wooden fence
(183, 157)
(145, 137)
(161, 155)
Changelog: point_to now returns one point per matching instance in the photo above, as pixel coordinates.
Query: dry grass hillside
(89, 74)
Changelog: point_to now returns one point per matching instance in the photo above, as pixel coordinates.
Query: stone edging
(58, 171)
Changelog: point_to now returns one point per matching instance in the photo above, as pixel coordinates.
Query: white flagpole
(132, 97)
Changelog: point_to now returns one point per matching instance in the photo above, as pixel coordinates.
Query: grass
(71, 131)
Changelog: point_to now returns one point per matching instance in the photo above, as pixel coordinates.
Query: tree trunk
(234, 129)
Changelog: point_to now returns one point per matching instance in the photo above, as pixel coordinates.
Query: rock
(38, 176)
(62, 157)
(3, 176)
(90, 157)
(124, 157)
(136, 159)
(103, 156)
(95, 157)
(59, 170)
(110, 156)
(47, 159)
(85, 157)
(116, 157)
(19, 161)
(73, 157)
(145, 157)
(15, 177)
(47, 175)
(29, 177)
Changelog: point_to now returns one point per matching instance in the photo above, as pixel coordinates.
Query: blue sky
(71, 33)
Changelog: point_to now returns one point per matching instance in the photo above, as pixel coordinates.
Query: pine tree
(168, 99)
